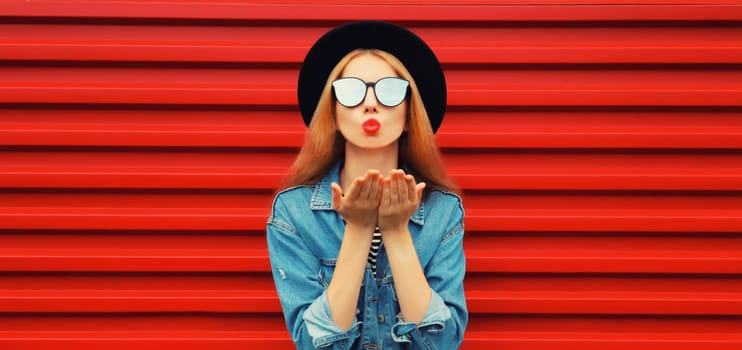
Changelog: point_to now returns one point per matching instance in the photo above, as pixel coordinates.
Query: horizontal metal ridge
(266, 301)
(303, 11)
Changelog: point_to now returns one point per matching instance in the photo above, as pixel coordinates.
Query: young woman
(365, 239)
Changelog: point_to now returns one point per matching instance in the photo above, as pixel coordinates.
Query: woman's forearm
(413, 290)
(342, 293)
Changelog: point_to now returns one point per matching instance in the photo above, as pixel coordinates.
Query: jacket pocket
(326, 270)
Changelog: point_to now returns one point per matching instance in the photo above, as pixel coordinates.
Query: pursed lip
(371, 126)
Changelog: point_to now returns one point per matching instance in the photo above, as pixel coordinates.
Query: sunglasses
(390, 92)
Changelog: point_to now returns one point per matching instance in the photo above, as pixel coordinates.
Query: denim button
(381, 318)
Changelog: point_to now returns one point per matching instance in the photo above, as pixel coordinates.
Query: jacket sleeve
(445, 320)
(303, 297)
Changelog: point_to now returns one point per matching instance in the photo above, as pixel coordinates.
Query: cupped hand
(400, 198)
(360, 204)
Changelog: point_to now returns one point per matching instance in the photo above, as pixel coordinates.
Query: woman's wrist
(393, 229)
(360, 228)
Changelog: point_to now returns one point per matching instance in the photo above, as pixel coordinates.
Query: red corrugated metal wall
(599, 145)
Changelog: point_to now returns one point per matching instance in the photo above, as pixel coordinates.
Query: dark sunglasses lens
(391, 91)
(349, 91)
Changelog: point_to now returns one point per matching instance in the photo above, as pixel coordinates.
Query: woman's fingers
(394, 187)
(386, 199)
(337, 195)
(400, 198)
(397, 193)
(362, 187)
(405, 186)
(363, 192)
(355, 188)
(402, 186)
(410, 188)
(419, 188)
(374, 187)
(372, 181)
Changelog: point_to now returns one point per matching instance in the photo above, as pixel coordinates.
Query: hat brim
(412, 51)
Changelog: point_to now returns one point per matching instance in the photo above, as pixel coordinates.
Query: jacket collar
(322, 195)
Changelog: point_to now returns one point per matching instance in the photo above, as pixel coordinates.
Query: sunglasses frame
(373, 86)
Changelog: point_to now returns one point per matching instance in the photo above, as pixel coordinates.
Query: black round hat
(412, 51)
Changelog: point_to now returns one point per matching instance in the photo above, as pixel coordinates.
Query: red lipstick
(371, 126)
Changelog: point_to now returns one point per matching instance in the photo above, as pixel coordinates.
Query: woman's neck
(360, 160)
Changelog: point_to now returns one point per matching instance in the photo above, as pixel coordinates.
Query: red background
(598, 143)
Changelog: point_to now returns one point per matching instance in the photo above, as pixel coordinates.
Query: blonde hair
(324, 145)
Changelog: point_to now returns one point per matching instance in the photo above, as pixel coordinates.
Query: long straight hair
(324, 145)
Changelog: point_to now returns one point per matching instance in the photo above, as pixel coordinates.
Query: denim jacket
(304, 237)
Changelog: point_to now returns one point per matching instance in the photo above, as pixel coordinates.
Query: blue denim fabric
(304, 237)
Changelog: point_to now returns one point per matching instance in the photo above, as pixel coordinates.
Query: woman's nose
(370, 103)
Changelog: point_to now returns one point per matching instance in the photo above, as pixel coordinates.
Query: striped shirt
(373, 253)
